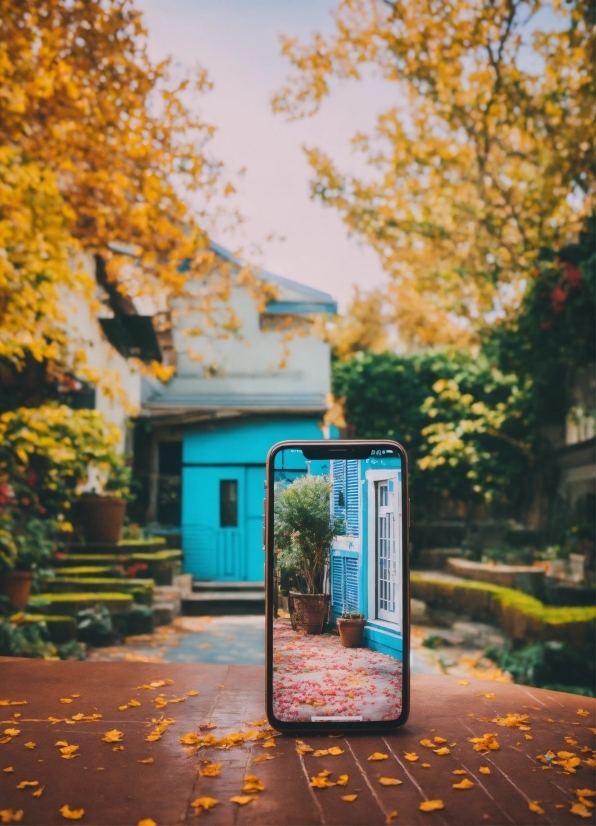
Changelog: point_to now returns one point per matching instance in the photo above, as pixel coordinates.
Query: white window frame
(372, 477)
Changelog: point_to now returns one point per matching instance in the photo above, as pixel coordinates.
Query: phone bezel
(331, 447)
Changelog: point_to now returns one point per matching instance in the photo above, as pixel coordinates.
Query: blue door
(223, 523)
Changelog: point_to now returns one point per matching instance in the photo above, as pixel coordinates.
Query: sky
(237, 41)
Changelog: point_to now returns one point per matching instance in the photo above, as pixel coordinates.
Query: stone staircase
(223, 598)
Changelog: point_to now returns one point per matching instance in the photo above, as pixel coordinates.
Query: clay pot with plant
(351, 629)
(303, 533)
(25, 545)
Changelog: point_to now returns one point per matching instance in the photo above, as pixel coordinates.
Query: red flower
(572, 276)
(558, 298)
(31, 479)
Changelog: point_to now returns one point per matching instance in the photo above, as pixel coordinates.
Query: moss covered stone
(72, 603)
(521, 616)
(60, 629)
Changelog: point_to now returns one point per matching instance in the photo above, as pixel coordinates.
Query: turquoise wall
(225, 452)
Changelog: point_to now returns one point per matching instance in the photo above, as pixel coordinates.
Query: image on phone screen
(337, 644)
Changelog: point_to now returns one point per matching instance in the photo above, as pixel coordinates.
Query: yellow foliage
(484, 158)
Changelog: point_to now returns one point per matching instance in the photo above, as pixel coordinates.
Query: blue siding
(244, 442)
(230, 452)
(379, 638)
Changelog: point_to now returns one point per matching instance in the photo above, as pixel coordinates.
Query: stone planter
(102, 518)
(351, 631)
(16, 585)
(308, 612)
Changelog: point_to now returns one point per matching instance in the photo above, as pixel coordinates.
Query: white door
(388, 595)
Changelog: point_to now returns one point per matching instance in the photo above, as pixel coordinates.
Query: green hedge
(521, 616)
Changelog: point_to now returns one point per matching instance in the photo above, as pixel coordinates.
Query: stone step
(164, 613)
(142, 589)
(70, 604)
(153, 545)
(222, 601)
(199, 585)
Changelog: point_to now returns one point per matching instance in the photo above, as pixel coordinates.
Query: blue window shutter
(352, 516)
(337, 582)
(351, 584)
(339, 487)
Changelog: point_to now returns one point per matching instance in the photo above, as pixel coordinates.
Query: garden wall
(522, 617)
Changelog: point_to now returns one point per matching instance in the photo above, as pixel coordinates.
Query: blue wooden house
(366, 562)
(212, 424)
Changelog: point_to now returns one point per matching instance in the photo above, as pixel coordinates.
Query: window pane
(228, 503)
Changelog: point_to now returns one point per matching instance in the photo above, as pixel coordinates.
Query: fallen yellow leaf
(204, 803)
(587, 802)
(24, 783)
(71, 814)
(427, 743)
(190, 739)
(113, 736)
(484, 770)
(390, 781)
(12, 732)
(321, 781)
(192, 693)
(425, 765)
(580, 810)
(321, 753)
(378, 755)
(211, 770)
(439, 740)
(335, 750)
(349, 798)
(442, 751)
(485, 743)
(534, 806)
(269, 744)
(302, 748)
(252, 783)
(262, 758)
(259, 722)
(409, 755)
(118, 748)
(146, 821)
(342, 780)
(465, 783)
(459, 771)
(8, 769)
(459, 682)
(11, 815)
(579, 792)
(582, 712)
(488, 694)
(65, 700)
(146, 760)
(391, 816)
(38, 792)
(431, 805)
(241, 800)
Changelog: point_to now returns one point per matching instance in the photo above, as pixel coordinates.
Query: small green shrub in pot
(303, 533)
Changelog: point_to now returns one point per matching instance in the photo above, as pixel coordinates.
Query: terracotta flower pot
(309, 612)
(16, 585)
(102, 518)
(350, 632)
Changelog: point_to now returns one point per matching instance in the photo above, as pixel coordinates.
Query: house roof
(294, 297)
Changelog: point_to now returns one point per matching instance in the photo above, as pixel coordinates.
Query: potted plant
(303, 533)
(24, 544)
(351, 628)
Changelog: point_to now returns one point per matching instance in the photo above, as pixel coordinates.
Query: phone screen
(337, 641)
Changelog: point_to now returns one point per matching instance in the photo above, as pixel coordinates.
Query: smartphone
(337, 595)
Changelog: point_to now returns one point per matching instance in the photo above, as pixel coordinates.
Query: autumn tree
(485, 158)
(99, 146)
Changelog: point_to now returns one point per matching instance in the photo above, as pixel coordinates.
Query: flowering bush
(45, 456)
